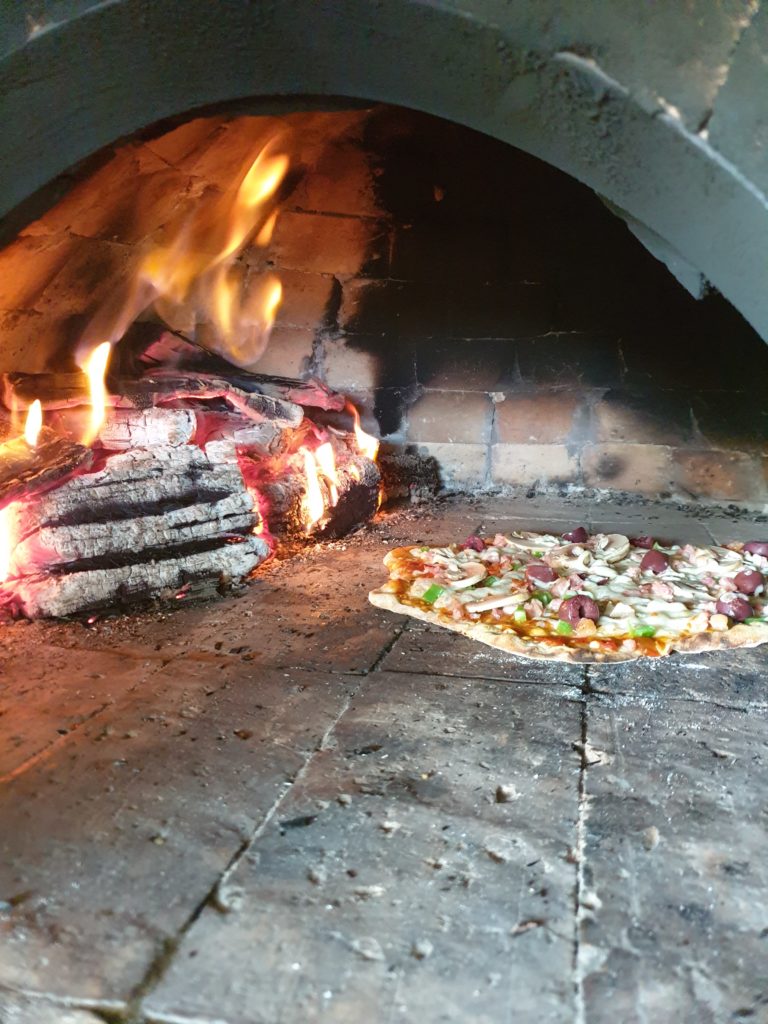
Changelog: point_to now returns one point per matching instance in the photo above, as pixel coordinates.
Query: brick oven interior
(279, 803)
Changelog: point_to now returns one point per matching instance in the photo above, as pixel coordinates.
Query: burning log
(199, 574)
(148, 520)
(67, 390)
(172, 349)
(25, 469)
(124, 429)
(306, 495)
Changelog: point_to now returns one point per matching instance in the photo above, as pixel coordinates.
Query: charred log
(405, 474)
(26, 470)
(186, 355)
(66, 390)
(199, 574)
(145, 522)
(282, 485)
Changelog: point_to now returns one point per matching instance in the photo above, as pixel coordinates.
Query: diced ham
(559, 587)
(534, 609)
(657, 588)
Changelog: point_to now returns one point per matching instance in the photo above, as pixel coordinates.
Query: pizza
(584, 598)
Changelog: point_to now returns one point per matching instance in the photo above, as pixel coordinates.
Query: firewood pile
(191, 480)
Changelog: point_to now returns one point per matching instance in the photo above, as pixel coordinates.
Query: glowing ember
(314, 505)
(95, 368)
(34, 423)
(7, 541)
(367, 444)
(326, 462)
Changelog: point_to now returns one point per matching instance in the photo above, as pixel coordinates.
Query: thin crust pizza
(581, 598)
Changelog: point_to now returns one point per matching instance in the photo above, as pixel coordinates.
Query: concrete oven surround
(662, 109)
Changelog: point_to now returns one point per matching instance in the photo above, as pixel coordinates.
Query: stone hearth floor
(281, 807)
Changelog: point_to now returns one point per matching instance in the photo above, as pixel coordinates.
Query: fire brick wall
(480, 305)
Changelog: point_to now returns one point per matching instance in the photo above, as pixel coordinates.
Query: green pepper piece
(756, 618)
(432, 593)
(644, 631)
(542, 596)
(537, 554)
(565, 628)
(489, 581)
(519, 615)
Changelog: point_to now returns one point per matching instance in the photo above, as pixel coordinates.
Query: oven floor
(289, 806)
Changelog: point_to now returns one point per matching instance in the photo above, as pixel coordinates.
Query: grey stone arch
(659, 108)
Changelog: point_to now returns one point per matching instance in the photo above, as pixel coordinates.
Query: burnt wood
(283, 488)
(65, 390)
(25, 470)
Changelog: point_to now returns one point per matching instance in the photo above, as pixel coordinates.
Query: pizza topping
(474, 543)
(539, 572)
(658, 588)
(642, 542)
(475, 573)
(579, 607)
(432, 593)
(720, 621)
(611, 547)
(756, 547)
(654, 561)
(577, 536)
(748, 581)
(500, 601)
(643, 630)
(736, 608)
(572, 557)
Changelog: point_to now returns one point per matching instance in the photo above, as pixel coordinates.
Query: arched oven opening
(243, 329)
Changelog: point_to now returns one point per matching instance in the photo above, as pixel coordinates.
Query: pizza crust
(527, 647)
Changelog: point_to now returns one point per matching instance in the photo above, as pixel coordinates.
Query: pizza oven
(563, 300)
(283, 286)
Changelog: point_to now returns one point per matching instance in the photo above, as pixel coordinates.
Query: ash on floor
(289, 806)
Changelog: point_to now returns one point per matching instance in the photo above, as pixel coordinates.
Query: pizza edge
(737, 636)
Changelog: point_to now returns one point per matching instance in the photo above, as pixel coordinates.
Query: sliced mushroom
(574, 557)
(495, 602)
(477, 573)
(529, 541)
(611, 547)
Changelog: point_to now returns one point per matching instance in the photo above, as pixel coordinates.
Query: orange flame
(34, 423)
(193, 278)
(367, 444)
(7, 541)
(264, 237)
(95, 368)
(314, 505)
(196, 276)
(326, 461)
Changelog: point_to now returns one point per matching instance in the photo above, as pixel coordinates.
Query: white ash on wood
(203, 573)
(124, 429)
(146, 522)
